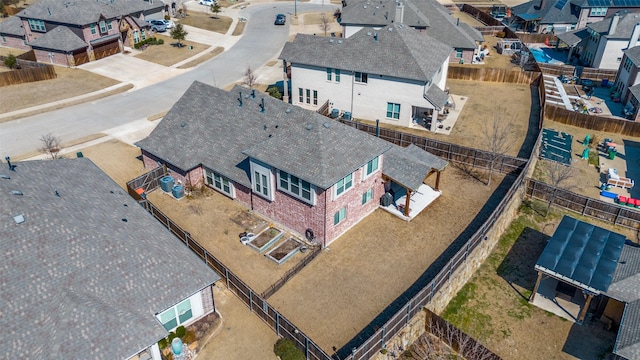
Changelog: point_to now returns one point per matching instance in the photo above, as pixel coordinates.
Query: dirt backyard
(493, 308)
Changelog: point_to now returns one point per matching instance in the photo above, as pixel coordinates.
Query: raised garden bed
(266, 238)
(285, 250)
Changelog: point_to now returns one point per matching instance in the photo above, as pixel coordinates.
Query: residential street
(261, 42)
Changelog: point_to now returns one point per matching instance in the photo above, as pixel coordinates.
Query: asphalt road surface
(260, 43)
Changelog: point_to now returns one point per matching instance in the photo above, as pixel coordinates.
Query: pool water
(542, 57)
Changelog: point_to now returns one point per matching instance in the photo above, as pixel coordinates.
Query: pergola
(582, 255)
(410, 167)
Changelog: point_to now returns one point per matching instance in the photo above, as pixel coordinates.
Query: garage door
(80, 58)
(107, 49)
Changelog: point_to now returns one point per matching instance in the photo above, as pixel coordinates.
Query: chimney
(634, 36)
(614, 24)
(399, 13)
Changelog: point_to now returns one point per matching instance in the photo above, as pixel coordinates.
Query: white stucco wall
(608, 53)
(368, 101)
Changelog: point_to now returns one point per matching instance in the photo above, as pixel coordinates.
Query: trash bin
(612, 154)
(79, 154)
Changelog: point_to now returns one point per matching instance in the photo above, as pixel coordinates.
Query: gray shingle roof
(207, 126)
(628, 340)
(410, 165)
(83, 12)
(417, 13)
(624, 28)
(436, 96)
(76, 280)
(573, 37)
(12, 26)
(549, 14)
(635, 91)
(633, 54)
(625, 287)
(60, 38)
(399, 52)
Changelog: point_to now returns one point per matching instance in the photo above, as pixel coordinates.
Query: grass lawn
(207, 21)
(493, 306)
(169, 53)
(69, 83)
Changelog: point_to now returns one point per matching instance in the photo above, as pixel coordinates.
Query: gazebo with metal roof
(582, 255)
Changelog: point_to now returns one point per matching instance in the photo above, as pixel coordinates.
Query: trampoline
(556, 146)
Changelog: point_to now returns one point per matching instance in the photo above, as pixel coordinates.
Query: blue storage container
(166, 183)
(178, 191)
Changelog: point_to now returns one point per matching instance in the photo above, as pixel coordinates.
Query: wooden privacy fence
(28, 71)
(597, 209)
(582, 72)
(450, 152)
(591, 122)
(480, 15)
(29, 55)
(527, 38)
(146, 182)
(463, 344)
(457, 72)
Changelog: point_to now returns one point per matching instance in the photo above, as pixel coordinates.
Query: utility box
(166, 183)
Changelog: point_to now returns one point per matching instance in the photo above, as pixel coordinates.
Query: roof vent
(57, 193)
(326, 125)
(368, 33)
(364, 6)
(124, 219)
(339, 41)
(183, 124)
(309, 127)
(262, 105)
(288, 110)
(240, 99)
(277, 126)
(19, 219)
(16, 192)
(331, 40)
(11, 167)
(253, 93)
(3, 176)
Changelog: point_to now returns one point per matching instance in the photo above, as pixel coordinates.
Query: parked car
(280, 19)
(207, 2)
(157, 25)
(168, 24)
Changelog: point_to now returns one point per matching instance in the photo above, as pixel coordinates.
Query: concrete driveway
(129, 69)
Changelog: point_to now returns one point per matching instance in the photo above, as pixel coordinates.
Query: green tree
(10, 61)
(274, 92)
(179, 33)
(215, 8)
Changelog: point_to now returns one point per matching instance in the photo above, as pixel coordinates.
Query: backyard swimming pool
(542, 57)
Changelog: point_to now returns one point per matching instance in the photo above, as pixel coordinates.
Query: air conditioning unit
(166, 183)
(178, 191)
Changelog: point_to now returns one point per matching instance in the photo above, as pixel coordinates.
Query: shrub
(286, 350)
(189, 337)
(167, 17)
(500, 34)
(10, 61)
(160, 41)
(274, 92)
(171, 336)
(162, 343)
(181, 331)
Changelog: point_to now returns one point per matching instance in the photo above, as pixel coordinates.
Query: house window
(367, 196)
(393, 110)
(339, 216)
(109, 26)
(618, 59)
(93, 29)
(337, 75)
(37, 25)
(315, 97)
(344, 184)
(599, 11)
(103, 26)
(136, 37)
(262, 180)
(176, 315)
(329, 70)
(308, 96)
(262, 183)
(458, 53)
(362, 77)
(372, 166)
(628, 64)
(300, 95)
(294, 186)
(219, 182)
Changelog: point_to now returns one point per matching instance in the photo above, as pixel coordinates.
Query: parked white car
(207, 2)
(169, 24)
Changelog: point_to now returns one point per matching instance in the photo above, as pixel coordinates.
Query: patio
(558, 302)
(418, 201)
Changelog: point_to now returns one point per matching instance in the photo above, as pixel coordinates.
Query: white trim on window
(343, 185)
(220, 183)
(372, 166)
(261, 180)
(296, 187)
(339, 216)
(37, 25)
(367, 196)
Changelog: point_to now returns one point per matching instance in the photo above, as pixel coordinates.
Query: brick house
(394, 74)
(12, 34)
(291, 165)
(627, 83)
(71, 33)
(426, 16)
(86, 271)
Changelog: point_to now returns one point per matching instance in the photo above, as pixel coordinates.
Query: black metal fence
(451, 152)
(291, 272)
(583, 205)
